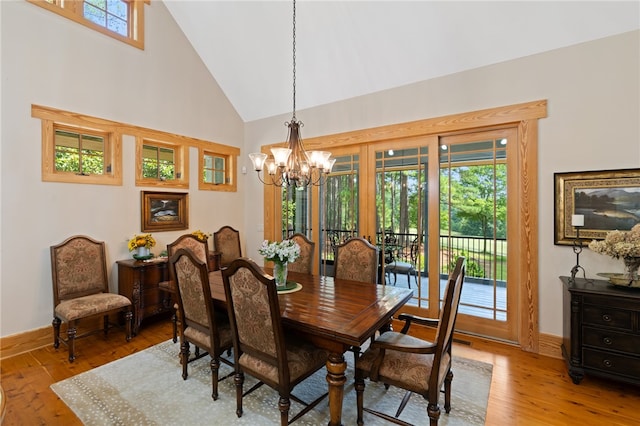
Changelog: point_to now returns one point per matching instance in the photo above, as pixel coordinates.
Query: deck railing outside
(486, 258)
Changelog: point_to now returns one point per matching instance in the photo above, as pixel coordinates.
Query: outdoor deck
(476, 299)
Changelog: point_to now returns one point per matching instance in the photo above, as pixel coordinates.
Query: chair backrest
(78, 268)
(356, 260)
(304, 263)
(193, 294)
(447, 322)
(254, 314)
(226, 240)
(199, 248)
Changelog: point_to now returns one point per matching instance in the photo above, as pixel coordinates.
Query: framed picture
(164, 211)
(606, 199)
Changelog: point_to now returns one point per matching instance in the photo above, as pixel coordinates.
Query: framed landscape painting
(607, 200)
(164, 211)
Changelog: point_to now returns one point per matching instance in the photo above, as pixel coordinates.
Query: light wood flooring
(526, 389)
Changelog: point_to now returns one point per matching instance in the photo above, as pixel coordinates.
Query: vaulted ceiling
(346, 49)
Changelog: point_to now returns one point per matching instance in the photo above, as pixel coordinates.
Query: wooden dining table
(333, 314)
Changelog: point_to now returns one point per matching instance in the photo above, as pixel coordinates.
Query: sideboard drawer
(607, 362)
(610, 340)
(608, 317)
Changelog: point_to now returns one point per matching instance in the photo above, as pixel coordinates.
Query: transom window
(217, 168)
(158, 162)
(120, 19)
(112, 14)
(80, 152)
(161, 163)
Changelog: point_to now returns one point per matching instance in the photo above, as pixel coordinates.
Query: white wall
(593, 123)
(52, 61)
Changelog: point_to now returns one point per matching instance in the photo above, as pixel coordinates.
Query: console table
(601, 330)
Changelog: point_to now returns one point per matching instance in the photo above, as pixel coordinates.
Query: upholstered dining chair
(304, 263)
(81, 290)
(199, 322)
(261, 347)
(201, 250)
(226, 240)
(418, 366)
(357, 260)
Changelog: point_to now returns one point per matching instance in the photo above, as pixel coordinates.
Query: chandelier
(292, 165)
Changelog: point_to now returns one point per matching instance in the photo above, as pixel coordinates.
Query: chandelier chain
(294, 60)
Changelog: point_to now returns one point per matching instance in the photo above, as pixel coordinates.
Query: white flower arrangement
(619, 244)
(280, 252)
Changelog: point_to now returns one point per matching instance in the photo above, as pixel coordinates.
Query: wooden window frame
(181, 163)
(51, 121)
(231, 176)
(73, 10)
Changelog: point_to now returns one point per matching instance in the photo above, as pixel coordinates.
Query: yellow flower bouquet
(143, 240)
(200, 235)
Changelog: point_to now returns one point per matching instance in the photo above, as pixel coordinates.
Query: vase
(631, 265)
(280, 274)
(142, 251)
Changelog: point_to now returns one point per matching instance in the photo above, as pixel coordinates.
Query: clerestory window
(120, 19)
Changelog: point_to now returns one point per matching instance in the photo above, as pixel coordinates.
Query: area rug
(146, 388)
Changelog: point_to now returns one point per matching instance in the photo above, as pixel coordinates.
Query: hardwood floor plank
(527, 389)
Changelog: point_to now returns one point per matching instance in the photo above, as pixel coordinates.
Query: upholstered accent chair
(261, 347)
(199, 322)
(399, 266)
(201, 251)
(418, 366)
(357, 260)
(226, 241)
(304, 263)
(81, 290)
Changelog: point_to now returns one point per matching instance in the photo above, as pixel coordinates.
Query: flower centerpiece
(625, 245)
(141, 244)
(280, 253)
(200, 235)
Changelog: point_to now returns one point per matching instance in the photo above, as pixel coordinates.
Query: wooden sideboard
(139, 282)
(601, 330)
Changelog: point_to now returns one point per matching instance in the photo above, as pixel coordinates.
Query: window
(161, 163)
(217, 168)
(120, 19)
(76, 150)
(79, 152)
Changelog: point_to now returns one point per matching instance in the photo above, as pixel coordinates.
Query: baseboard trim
(550, 345)
(27, 341)
(20, 343)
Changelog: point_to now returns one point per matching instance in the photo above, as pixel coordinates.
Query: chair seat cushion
(94, 304)
(409, 370)
(201, 339)
(398, 266)
(302, 357)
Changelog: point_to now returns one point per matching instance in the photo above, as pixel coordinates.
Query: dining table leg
(336, 367)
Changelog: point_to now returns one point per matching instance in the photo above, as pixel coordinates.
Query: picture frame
(607, 199)
(164, 211)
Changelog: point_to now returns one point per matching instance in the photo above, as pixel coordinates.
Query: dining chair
(81, 290)
(261, 347)
(201, 250)
(200, 324)
(226, 240)
(415, 365)
(357, 260)
(304, 263)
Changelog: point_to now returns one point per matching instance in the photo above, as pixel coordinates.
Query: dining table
(334, 314)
